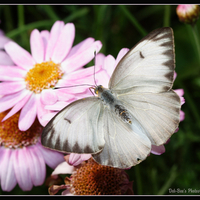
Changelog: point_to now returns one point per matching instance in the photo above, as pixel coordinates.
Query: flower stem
(133, 20)
(172, 176)
(166, 22)
(195, 33)
(138, 179)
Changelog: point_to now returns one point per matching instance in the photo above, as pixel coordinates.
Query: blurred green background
(119, 26)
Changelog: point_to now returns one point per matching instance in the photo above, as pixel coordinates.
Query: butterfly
(120, 123)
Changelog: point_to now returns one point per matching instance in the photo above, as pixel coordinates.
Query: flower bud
(188, 13)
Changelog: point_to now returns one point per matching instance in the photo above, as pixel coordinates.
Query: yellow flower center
(95, 179)
(12, 137)
(43, 76)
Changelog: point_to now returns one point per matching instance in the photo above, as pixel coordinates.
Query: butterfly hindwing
(76, 128)
(125, 146)
(159, 113)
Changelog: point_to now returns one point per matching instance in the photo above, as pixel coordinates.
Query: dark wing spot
(57, 144)
(67, 120)
(138, 159)
(88, 149)
(141, 55)
(170, 76)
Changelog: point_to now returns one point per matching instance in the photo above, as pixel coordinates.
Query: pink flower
(102, 77)
(27, 86)
(91, 178)
(22, 157)
(188, 13)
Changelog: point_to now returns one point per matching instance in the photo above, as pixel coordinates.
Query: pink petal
(109, 64)
(41, 111)
(37, 46)
(80, 46)
(102, 78)
(20, 56)
(11, 73)
(17, 107)
(120, 55)
(5, 59)
(9, 101)
(3, 41)
(99, 59)
(45, 37)
(36, 164)
(48, 96)
(78, 60)
(57, 106)
(54, 34)
(180, 92)
(21, 168)
(157, 150)
(76, 159)
(63, 96)
(175, 75)
(67, 193)
(47, 117)
(11, 87)
(64, 43)
(28, 114)
(8, 179)
(63, 168)
(182, 100)
(52, 158)
(83, 73)
(182, 115)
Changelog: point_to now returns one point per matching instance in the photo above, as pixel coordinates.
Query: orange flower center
(43, 76)
(12, 137)
(95, 179)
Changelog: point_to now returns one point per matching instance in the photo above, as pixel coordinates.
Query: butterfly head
(98, 89)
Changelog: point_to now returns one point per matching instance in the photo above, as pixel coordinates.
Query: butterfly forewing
(76, 128)
(148, 66)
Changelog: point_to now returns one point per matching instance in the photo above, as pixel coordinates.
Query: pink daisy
(27, 85)
(107, 65)
(91, 178)
(22, 157)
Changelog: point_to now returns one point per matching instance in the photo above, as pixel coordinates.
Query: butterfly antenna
(72, 86)
(95, 53)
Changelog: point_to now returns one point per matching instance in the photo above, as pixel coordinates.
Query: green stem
(196, 38)
(172, 177)
(133, 20)
(33, 25)
(167, 16)
(20, 9)
(138, 180)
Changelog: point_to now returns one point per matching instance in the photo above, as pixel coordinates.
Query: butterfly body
(139, 108)
(111, 101)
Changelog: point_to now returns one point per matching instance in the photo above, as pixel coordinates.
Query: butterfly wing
(76, 128)
(143, 80)
(148, 66)
(159, 113)
(125, 146)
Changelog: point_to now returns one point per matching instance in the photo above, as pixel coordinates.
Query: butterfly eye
(96, 90)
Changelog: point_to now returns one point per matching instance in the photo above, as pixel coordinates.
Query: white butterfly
(119, 125)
